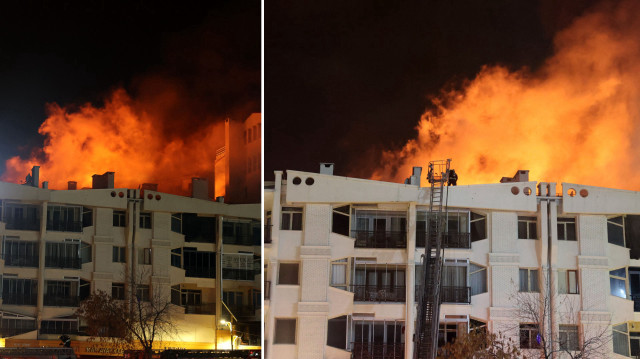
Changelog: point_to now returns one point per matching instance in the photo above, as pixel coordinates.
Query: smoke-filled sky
(135, 87)
(549, 86)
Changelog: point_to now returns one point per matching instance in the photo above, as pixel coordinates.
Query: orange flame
(576, 119)
(122, 138)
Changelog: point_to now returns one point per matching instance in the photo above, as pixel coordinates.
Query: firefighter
(453, 177)
(65, 341)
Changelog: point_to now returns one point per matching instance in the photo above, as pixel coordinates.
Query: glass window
(117, 290)
(618, 282)
(340, 223)
(339, 274)
(529, 280)
(145, 220)
(529, 336)
(568, 336)
(118, 255)
(288, 273)
(527, 228)
(621, 339)
(142, 292)
(567, 229)
(285, 331)
(291, 218)
(119, 218)
(568, 282)
(615, 231)
(478, 227)
(478, 278)
(144, 255)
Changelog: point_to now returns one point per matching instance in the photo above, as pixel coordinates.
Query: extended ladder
(426, 337)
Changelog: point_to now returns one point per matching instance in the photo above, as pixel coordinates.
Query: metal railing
(24, 224)
(204, 308)
(383, 293)
(379, 239)
(60, 301)
(449, 240)
(20, 261)
(242, 240)
(199, 272)
(455, 294)
(9, 332)
(62, 262)
(64, 226)
(238, 274)
(362, 350)
(267, 233)
(20, 298)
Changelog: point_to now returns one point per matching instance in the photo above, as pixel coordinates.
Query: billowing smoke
(575, 119)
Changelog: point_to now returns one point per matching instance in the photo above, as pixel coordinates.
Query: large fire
(575, 119)
(120, 137)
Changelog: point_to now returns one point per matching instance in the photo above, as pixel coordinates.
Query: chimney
(326, 168)
(199, 188)
(520, 176)
(45, 184)
(35, 176)
(72, 185)
(414, 179)
(103, 181)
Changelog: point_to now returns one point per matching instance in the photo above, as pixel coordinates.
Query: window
(191, 297)
(117, 290)
(119, 255)
(144, 255)
(62, 254)
(142, 292)
(568, 282)
(288, 273)
(176, 222)
(447, 333)
(529, 280)
(199, 264)
(618, 282)
(19, 291)
(61, 293)
(87, 217)
(340, 223)
(17, 253)
(529, 336)
(621, 339)
(64, 218)
(337, 332)
(145, 220)
(615, 231)
(527, 228)
(119, 218)
(567, 229)
(478, 278)
(634, 344)
(454, 288)
(568, 335)
(339, 274)
(285, 331)
(59, 326)
(14, 324)
(176, 257)
(291, 218)
(478, 227)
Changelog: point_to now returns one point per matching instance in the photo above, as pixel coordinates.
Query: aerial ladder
(426, 335)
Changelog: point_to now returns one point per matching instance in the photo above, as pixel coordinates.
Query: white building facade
(342, 257)
(59, 246)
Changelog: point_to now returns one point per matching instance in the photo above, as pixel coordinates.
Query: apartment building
(343, 256)
(59, 246)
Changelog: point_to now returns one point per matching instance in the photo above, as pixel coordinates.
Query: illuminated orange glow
(120, 137)
(575, 119)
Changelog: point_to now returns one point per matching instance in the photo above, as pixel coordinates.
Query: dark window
(337, 332)
(632, 234)
(119, 254)
(615, 231)
(17, 253)
(529, 336)
(145, 220)
(117, 290)
(64, 218)
(478, 227)
(87, 217)
(12, 324)
(176, 257)
(288, 273)
(527, 228)
(568, 282)
(60, 326)
(142, 292)
(62, 255)
(144, 256)
(529, 280)
(568, 337)
(61, 293)
(19, 291)
(340, 223)
(119, 218)
(567, 229)
(176, 222)
(198, 229)
(285, 331)
(199, 264)
(291, 218)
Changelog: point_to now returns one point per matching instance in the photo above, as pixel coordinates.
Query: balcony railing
(267, 289)
(204, 308)
(379, 239)
(60, 301)
(19, 299)
(62, 262)
(449, 240)
(242, 240)
(383, 293)
(243, 311)
(10, 332)
(377, 351)
(20, 261)
(454, 294)
(238, 274)
(267, 233)
(24, 224)
(64, 226)
(199, 272)
(636, 302)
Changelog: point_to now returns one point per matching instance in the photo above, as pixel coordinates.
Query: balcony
(21, 261)
(28, 326)
(64, 226)
(19, 298)
(60, 301)
(449, 240)
(365, 293)
(243, 311)
(63, 262)
(204, 308)
(267, 233)
(199, 272)
(242, 240)
(379, 239)
(375, 351)
(23, 224)
(455, 294)
(238, 274)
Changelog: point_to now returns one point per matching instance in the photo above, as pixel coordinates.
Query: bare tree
(478, 344)
(143, 318)
(553, 319)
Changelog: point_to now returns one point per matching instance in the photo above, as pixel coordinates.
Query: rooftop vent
(520, 176)
(103, 181)
(72, 185)
(414, 180)
(33, 178)
(326, 168)
(199, 188)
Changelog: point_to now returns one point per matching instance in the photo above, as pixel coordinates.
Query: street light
(224, 322)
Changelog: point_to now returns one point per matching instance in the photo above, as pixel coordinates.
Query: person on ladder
(453, 177)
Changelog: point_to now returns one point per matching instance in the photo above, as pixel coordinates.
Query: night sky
(346, 80)
(73, 53)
